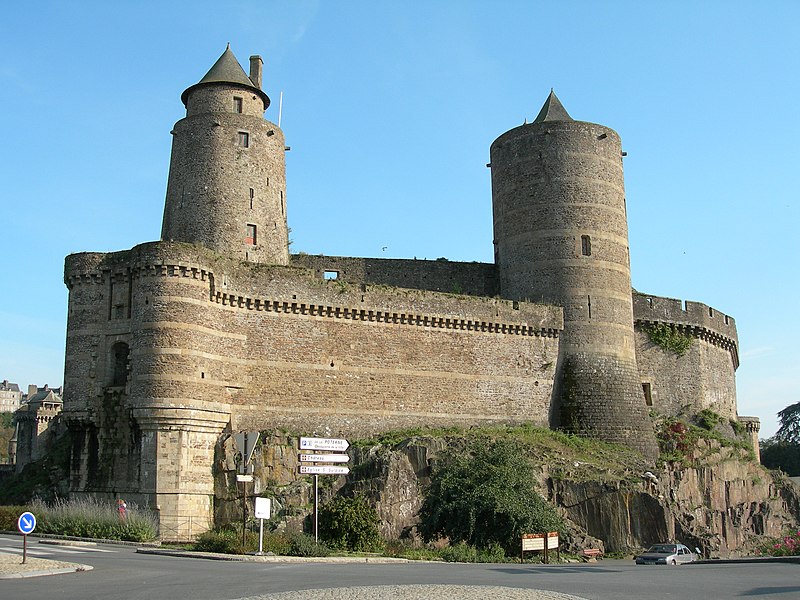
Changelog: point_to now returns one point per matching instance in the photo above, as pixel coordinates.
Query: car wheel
(673, 562)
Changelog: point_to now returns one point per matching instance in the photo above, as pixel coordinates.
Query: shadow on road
(555, 569)
(768, 591)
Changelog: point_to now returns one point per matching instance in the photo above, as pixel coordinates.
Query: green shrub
(349, 524)
(9, 515)
(226, 541)
(486, 496)
(460, 552)
(788, 545)
(302, 544)
(277, 543)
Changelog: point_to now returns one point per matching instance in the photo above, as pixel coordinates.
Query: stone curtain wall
(704, 377)
(212, 342)
(473, 278)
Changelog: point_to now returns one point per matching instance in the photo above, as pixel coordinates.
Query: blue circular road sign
(26, 523)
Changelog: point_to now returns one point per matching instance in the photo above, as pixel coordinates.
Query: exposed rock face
(721, 507)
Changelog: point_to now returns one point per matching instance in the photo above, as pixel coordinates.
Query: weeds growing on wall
(708, 419)
(670, 338)
(678, 441)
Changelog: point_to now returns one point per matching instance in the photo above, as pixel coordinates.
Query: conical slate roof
(226, 70)
(552, 110)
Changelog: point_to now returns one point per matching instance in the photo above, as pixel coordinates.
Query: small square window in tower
(250, 238)
(244, 139)
(237, 104)
(586, 245)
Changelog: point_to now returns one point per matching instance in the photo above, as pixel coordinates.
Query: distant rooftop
(5, 386)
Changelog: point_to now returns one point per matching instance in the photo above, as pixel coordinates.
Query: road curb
(43, 572)
(275, 559)
(748, 559)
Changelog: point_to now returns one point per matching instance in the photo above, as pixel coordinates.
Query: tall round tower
(227, 177)
(561, 237)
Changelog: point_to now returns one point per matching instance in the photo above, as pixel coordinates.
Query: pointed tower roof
(226, 71)
(552, 110)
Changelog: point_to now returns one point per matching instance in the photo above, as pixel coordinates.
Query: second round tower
(561, 237)
(227, 176)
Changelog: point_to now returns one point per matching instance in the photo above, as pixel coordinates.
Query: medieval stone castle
(173, 345)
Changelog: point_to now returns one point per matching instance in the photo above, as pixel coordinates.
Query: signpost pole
(244, 514)
(316, 509)
(260, 537)
(26, 524)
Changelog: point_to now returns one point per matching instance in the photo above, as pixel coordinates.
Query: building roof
(5, 386)
(44, 395)
(552, 110)
(226, 71)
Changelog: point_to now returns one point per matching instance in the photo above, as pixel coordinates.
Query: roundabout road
(121, 574)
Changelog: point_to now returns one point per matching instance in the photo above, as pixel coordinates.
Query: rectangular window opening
(244, 139)
(237, 104)
(648, 394)
(710, 312)
(252, 195)
(250, 237)
(586, 245)
(331, 275)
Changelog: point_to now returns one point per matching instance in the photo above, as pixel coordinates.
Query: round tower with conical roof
(561, 237)
(227, 176)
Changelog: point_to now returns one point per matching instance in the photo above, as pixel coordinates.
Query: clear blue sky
(390, 109)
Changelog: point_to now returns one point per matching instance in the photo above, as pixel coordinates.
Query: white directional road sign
(325, 458)
(323, 470)
(26, 523)
(311, 443)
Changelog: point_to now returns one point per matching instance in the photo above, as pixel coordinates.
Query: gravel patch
(418, 592)
(11, 566)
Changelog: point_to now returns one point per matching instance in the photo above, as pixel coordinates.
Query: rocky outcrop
(721, 503)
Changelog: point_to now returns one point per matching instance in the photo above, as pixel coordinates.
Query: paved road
(119, 573)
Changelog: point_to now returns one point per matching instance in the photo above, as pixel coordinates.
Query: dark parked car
(666, 554)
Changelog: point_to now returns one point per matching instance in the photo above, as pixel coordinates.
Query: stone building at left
(36, 425)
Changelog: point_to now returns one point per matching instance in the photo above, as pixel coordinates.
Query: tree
(485, 496)
(789, 430)
(779, 454)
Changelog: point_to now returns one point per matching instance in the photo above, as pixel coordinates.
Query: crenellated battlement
(277, 288)
(694, 318)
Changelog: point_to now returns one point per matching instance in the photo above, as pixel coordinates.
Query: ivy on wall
(669, 338)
